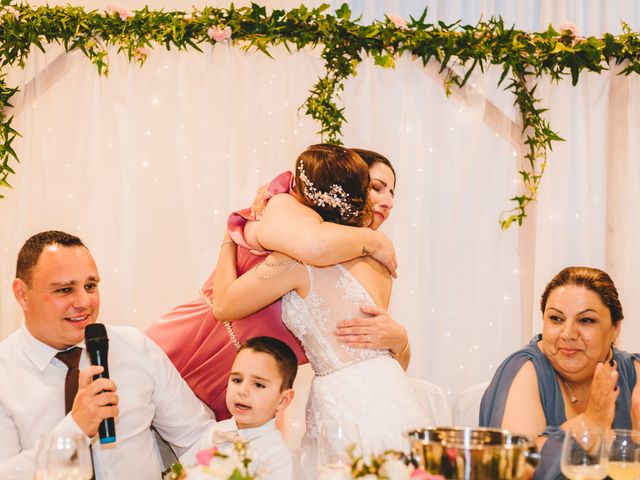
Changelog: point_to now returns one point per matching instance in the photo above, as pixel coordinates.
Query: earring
(611, 361)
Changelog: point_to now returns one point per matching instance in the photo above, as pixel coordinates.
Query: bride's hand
(379, 332)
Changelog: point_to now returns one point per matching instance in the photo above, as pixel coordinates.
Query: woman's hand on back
(259, 202)
(384, 252)
(379, 332)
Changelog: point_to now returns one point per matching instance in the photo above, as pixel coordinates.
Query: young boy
(260, 385)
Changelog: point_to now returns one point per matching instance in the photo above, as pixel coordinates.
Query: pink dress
(202, 348)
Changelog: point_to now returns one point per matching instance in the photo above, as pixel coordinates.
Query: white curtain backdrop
(145, 165)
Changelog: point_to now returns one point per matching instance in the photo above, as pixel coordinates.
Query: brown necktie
(71, 358)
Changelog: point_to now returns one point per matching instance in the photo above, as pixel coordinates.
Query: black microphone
(97, 342)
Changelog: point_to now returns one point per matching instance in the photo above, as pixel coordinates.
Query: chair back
(435, 400)
(466, 406)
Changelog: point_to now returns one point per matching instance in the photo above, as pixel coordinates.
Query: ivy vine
(525, 57)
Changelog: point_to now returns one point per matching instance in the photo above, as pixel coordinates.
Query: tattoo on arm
(365, 251)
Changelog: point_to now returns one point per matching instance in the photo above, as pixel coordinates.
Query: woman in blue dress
(571, 375)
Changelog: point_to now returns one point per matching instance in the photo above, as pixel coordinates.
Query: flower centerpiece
(216, 464)
(390, 465)
(233, 464)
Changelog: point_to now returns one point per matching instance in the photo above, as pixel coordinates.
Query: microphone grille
(95, 331)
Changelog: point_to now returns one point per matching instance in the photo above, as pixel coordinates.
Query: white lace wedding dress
(364, 387)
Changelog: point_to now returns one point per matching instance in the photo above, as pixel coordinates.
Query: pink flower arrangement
(397, 20)
(219, 34)
(389, 465)
(123, 13)
(216, 463)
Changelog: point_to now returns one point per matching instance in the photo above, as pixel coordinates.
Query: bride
(364, 386)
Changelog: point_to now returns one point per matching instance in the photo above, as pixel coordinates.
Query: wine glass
(14, 472)
(42, 452)
(584, 454)
(624, 454)
(66, 456)
(334, 443)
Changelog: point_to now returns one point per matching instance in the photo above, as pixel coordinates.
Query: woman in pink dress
(202, 349)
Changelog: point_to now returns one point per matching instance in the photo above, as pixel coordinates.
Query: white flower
(218, 469)
(198, 473)
(222, 468)
(395, 469)
(337, 474)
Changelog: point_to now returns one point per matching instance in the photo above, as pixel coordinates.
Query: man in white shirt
(57, 286)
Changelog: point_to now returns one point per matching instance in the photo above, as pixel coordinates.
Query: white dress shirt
(150, 389)
(268, 451)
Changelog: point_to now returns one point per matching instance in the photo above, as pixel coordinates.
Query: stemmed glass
(334, 443)
(14, 472)
(584, 454)
(624, 454)
(64, 456)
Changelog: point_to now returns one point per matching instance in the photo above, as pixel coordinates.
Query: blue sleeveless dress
(495, 399)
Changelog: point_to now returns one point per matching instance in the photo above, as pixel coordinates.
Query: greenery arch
(460, 49)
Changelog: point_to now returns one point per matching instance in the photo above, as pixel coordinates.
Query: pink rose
(122, 12)
(397, 20)
(572, 28)
(219, 34)
(203, 457)
(419, 474)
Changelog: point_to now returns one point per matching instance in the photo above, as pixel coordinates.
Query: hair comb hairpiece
(336, 197)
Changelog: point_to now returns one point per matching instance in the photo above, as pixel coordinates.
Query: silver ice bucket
(472, 453)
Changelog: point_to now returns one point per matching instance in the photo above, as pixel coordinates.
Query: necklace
(291, 264)
(280, 264)
(572, 396)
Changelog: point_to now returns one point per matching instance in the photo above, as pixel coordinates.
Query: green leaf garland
(459, 49)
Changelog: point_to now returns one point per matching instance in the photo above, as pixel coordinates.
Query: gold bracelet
(397, 355)
(225, 242)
